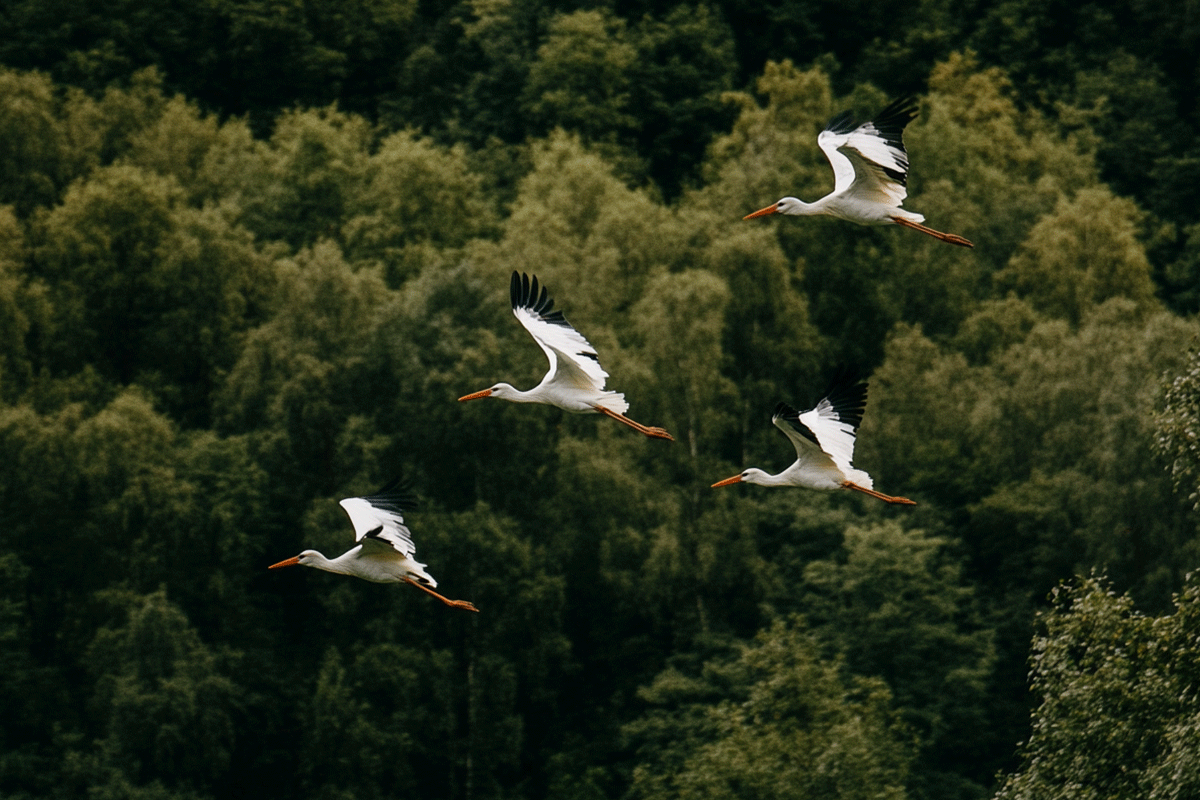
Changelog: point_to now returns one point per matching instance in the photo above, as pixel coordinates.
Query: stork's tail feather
(859, 478)
(614, 401)
(417, 574)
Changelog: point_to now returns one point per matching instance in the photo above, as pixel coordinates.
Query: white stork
(575, 381)
(824, 440)
(385, 549)
(870, 173)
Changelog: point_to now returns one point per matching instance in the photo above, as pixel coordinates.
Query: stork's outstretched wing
(572, 358)
(869, 160)
(378, 518)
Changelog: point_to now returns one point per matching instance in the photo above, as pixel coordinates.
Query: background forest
(251, 251)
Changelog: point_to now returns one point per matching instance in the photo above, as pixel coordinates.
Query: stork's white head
(790, 205)
(502, 391)
(751, 475)
(305, 559)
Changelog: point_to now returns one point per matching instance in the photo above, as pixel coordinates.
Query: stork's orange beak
(289, 562)
(727, 481)
(762, 212)
(475, 396)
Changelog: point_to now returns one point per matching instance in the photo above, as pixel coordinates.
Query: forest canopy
(250, 254)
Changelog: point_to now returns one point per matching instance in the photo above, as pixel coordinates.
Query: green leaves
(1177, 428)
(207, 338)
(776, 721)
(168, 707)
(1116, 716)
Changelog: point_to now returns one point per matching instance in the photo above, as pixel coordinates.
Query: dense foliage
(1118, 715)
(250, 253)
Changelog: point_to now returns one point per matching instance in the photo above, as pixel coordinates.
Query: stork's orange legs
(657, 433)
(952, 238)
(900, 501)
(463, 604)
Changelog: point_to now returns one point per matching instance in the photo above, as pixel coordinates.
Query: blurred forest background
(252, 250)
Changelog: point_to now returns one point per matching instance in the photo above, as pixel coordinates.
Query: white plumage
(870, 174)
(824, 439)
(575, 381)
(384, 552)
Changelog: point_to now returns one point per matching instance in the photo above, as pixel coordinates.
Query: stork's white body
(870, 174)
(385, 550)
(575, 381)
(823, 438)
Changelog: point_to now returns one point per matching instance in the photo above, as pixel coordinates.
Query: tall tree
(1117, 713)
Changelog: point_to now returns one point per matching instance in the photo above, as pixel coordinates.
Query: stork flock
(870, 168)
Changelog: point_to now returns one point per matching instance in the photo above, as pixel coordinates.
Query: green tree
(1117, 710)
(1080, 255)
(1177, 428)
(685, 63)
(147, 289)
(774, 721)
(15, 299)
(896, 606)
(163, 701)
(418, 197)
(1044, 445)
(581, 77)
(302, 188)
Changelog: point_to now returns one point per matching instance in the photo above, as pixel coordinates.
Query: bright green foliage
(32, 156)
(52, 138)
(303, 186)
(416, 193)
(1177, 428)
(575, 223)
(777, 721)
(682, 315)
(179, 144)
(14, 299)
(771, 150)
(1117, 703)
(1081, 254)
(295, 378)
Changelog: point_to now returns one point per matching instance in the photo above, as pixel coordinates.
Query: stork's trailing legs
(463, 604)
(952, 238)
(901, 501)
(657, 433)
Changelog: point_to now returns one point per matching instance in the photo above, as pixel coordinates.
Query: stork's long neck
(762, 478)
(337, 565)
(506, 391)
(533, 395)
(799, 208)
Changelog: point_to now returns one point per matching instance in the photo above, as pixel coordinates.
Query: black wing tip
(895, 116)
(782, 409)
(847, 393)
(523, 290)
(395, 495)
(841, 123)
(899, 176)
(890, 121)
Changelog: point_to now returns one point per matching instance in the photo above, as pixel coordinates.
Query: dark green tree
(1117, 708)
